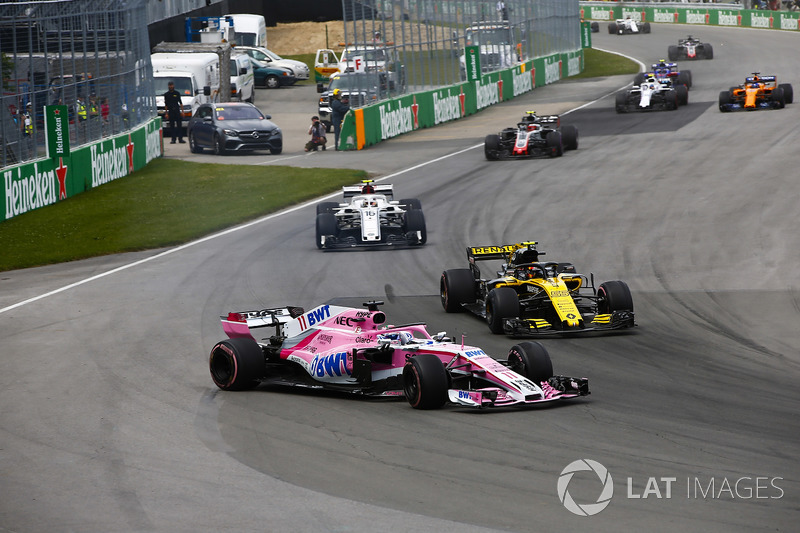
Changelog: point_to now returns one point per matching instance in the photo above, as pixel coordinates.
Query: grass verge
(167, 203)
(597, 63)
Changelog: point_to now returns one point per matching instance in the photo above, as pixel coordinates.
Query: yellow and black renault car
(531, 297)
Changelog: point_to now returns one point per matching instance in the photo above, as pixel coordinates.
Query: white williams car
(652, 95)
(628, 26)
(370, 217)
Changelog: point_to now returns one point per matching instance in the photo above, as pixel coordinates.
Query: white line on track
(263, 219)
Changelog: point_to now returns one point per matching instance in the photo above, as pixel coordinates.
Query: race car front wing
(538, 326)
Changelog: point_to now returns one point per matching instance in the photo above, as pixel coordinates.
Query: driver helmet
(406, 337)
(755, 85)
(533, 127)
(528, 273)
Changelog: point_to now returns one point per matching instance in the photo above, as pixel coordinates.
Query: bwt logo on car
(314, 316)
(334, 364)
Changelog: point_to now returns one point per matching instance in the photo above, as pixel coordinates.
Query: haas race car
(690, 48)
(529, 297)
(757, 92)
(370, 216)
(652, 95)
(534, 136)
(353, 350)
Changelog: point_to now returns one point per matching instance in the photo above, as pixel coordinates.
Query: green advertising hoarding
(47, 181)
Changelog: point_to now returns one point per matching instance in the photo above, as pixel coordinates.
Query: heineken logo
(573, 66)
(521, 82)
(552, 72)
(395, 122)
(727, 19)
(447, 107)
(25, 192)
(760, 21)
(109, 162)
(660, 15)
(487, 94)
(56, 131)
(695, 18)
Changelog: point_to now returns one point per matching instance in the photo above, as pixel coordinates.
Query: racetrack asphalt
(110, 421)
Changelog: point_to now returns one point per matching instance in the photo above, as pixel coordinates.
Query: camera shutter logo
(587, 509)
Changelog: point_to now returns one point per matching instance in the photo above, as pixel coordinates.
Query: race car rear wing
(354, 190)
(241, 323)
(550, 119)
(503, 252)
(772, 80)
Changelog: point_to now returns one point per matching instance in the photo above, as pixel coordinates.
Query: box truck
(250, 30)
(196, 77)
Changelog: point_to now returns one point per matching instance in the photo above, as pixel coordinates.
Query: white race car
(652, 95)
(370, 217)
(628, 26)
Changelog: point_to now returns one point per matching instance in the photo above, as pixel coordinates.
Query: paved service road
(110, 421)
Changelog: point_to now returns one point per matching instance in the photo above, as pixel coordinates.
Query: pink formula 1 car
(352, 350)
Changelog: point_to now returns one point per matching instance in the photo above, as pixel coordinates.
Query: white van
(195, 75)
(250, 30)
(242, 78)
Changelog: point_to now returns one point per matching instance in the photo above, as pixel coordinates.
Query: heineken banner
(472, 58)
(370, 125)
(45, 182)
(709, 14)
(56, 130)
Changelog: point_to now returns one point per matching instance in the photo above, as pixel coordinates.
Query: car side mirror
(207, 90)
(243, 70)
(320, 88)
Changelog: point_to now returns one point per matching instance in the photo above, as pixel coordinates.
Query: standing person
(172, 103)
(27, 130)
(317, 132)
(502, 10)
(105, 110)
(339, 109)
